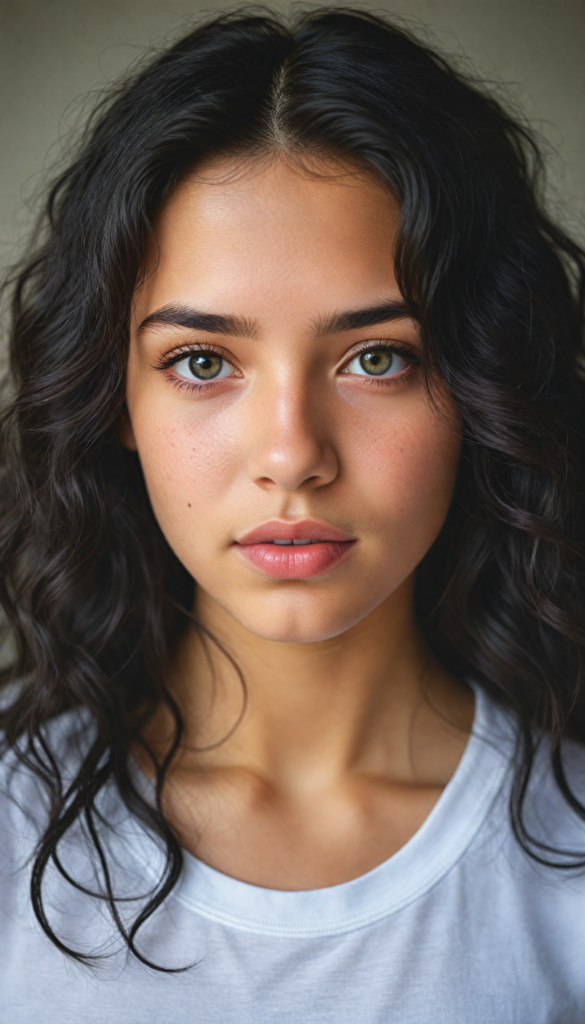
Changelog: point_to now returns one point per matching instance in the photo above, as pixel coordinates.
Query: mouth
(294, 550)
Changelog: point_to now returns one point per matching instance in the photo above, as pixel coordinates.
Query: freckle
(188, 504)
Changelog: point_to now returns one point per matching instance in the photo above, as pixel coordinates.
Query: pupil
(205, 366)
(377, 362)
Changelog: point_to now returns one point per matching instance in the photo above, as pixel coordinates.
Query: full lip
(304, 529)
(303, 549)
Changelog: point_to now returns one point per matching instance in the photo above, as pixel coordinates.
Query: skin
(351, 730)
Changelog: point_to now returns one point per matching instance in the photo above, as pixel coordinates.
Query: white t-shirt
(458, 927)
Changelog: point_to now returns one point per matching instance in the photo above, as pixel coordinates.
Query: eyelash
(412, 360)
(167, 362)
(181, 383)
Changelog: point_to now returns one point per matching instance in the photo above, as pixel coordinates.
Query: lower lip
(291, 562)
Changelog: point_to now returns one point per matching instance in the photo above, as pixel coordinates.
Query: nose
(291, 446)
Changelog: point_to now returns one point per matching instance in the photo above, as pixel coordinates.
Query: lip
(290, 561)
(304, 529)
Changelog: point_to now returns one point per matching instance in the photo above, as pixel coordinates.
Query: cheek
(407, 467)
(189, 468)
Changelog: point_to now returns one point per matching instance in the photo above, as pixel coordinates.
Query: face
(291, 454)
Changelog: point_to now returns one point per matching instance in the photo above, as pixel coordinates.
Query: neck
(365, 701)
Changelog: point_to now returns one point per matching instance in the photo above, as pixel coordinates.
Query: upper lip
(304, 529)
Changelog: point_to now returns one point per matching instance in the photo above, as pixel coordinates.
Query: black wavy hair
(498, 290)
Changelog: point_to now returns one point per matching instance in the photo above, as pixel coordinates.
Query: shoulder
(521, 883)
(553, 798)
(555, 802)
(537, 823)
(24, 796)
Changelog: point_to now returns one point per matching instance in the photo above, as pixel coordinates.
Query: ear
(125, 431)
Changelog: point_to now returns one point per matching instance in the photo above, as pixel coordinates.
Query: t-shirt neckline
(412, 871)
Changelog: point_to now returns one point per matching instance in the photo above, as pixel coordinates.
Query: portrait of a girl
(292, 551)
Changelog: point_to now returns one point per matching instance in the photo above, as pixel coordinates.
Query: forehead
(258, 237)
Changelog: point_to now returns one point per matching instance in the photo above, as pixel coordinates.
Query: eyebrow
(352, 320)
(213, 323)
(239, 326)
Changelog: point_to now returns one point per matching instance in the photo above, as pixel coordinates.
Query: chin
(299, 625)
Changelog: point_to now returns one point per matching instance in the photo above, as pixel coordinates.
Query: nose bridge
(292, 445)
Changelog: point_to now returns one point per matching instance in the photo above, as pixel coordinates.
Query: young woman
(292, 553)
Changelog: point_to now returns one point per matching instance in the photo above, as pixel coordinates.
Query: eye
(377, 362)
(203, 366)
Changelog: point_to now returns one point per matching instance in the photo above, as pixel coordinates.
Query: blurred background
(55, 55)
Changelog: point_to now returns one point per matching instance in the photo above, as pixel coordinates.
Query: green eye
(205, 365)
(377, 362)
(381, 361)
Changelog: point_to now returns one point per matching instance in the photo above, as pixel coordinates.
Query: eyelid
(401, 349)
(179, 352)
(174, 355)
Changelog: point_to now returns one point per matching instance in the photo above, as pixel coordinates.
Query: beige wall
(54, 51)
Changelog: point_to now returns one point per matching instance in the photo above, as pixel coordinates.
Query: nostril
(292, 466)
